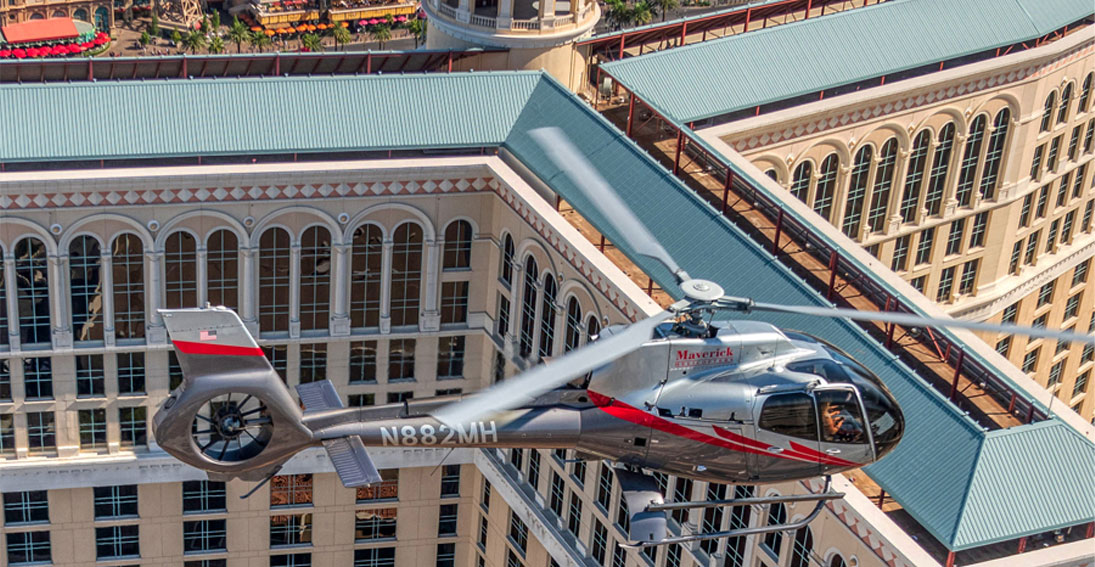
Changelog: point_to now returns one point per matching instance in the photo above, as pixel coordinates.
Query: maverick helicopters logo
(690, 359)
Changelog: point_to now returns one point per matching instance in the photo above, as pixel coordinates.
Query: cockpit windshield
(883, 414)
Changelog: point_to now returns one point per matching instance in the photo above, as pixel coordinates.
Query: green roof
(957, 480)
(778, 63)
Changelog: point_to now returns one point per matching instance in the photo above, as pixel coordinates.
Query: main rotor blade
(603, 197)
(910, 320)
(525, 387)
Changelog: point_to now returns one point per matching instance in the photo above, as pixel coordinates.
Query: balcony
(525, 17)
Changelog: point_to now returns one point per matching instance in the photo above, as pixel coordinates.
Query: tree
(664, 6)
(154, 27)
(216, 20)
(342, 36)
(381, 33)
(176, 38)
(205, 24)
(311, 42)
(145, 39)
(417, 28)
(216, 45)
(238, 33)
(194, 41)
(258, 40)
(641, 13)
(618, 12)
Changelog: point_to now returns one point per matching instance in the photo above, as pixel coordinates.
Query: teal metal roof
(778, 63)
(966, 486)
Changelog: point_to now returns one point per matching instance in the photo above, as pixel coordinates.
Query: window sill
(373, 540)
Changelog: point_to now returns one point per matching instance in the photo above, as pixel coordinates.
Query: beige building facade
(18, 11)
(974, 184)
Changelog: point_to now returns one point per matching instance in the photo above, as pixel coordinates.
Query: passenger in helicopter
(838, 424)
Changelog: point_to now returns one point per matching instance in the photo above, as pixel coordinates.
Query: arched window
(883, 183)
(777, 515)
(547, 317)
(593, 328)
(970, 158)
(32, 288)
(1062, 109)
(181, 270)
(941, 164)
(315, 278)
(826, 186)
(457, 245)
(222, 269)
(80, 14)
(773, 175)
(528, 307)
(574, 325)
(86, 288)
(857, 191)
(739, 519)
(918, 158)
(1085, 94)
(1047, 112)
(366, 276)
(837, 561)
(507, 260)
(406, 274)
(800, 185)
(994, 155)
(128, 271)
(274, 276)
(803, 547)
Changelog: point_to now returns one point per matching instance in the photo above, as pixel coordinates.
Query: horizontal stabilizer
(352, 461)
(319, 396)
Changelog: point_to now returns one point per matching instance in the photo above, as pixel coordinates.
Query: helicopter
(679, 392)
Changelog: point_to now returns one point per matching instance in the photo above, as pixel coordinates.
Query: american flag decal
(207, 336)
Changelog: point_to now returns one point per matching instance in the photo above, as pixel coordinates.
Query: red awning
(40, 30)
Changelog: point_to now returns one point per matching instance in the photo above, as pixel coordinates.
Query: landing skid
(648, 522)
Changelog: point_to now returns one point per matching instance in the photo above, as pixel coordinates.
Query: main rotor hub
(701, 290)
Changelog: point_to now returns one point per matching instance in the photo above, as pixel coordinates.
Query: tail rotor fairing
(232, 427)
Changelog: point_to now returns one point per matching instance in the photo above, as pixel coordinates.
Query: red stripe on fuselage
(187, 347)
(634, 415)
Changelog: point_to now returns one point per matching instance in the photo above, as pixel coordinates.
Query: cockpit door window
(787, 426)
(790, 414)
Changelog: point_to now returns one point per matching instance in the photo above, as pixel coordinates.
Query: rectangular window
(90, 379)
(1074, 142)
(92, 429)
(900, 260)
(954, 239)
(450, 357)
(1089, 137)
(1054, 151)
(1030, 361)
(203, 496)
(1045, 294)
(969, 276)
(1011, 313)
(484, 531)
(41, 432)
(503, 316)
(1078, 185)
(131, 373)
(1036, 162)
(291, 560)
(1085, 224)
(446, 554)
(484, 498)
(5, 372)
(1072, 307)
(1066, 227)
(1024, 213)
(604, 486)
(117, 542)
(946, 284)
(174, 371)
(1079, 274)
(399, 397)
(450, 481)
(7, 434)
(518, 532)
(1032, 248)
(1051, 237)
(446, 520)
(556, 494)
(375, 524)
(1003, 346)
(30, 507)
(206, 563)
(291, 490)
(363, 362)
(1040, 321)
(1055, 374)
(1016, 256)
(534, 469)
(1062, 189)
(278, 356)
(112, 502)
(400, 360)
(361, 400)
(375, 557)
(512, 560)
(454, 302)
(600, 542)
(574, 515)
(924, 249)
(38, 378)
(919, 283)
(205, 536)
(28, 548)
(134, 425)
(313, 362)
(1080, 386)
(289, 530)
(386, 489)
(1043, 200)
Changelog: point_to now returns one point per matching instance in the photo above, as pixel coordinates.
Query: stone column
(62, 332)
(107, 280)
(340, 280)
(547, 11)
(505, 14)
(429, 318)
(202, 259)
(464, 10)
(897, 191)
(153, 289)
(386, 288)
(294, 290)
(247, 291)
(13, 302)
(510, 336)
